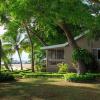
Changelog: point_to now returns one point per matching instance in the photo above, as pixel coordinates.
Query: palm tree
(4, 56)
(0, 55)
(28, 46)
(6, 60)
(14, 42)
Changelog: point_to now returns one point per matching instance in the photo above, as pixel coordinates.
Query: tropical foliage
(48, 22)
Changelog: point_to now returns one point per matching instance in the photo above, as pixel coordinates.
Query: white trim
(55, 46)
(62, 45)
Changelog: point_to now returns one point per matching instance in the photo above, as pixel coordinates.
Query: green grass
(48, 89)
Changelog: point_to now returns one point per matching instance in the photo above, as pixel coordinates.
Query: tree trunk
(81, 67)
(38, 37)
(6, 65)
(32, 48)
(29, 30)
(20, 59)
(11, 67)
(73, 45)
(0, 55)
(69, 36)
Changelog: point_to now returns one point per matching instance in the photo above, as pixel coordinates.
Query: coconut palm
(13, 42)
(0, 55)
(4, 57)
(6, 60)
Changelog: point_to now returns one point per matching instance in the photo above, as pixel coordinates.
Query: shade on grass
(48, 89)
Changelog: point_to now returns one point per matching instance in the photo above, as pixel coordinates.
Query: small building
(63, 52)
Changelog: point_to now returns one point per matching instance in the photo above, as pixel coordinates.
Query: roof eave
(65, 44)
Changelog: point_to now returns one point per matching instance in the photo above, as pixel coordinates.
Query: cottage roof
(62, 45)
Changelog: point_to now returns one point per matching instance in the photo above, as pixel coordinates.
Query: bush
(18, 75)
(73, 77)
(6, 77)
(86, 57)
(97, 75)
(63, 68)
(38, 74)
(43, 75)
(83, 55)
(39, 68)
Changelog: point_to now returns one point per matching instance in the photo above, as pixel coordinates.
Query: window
(52, 54)
(56, 54)
(98, 54)
(60, 54)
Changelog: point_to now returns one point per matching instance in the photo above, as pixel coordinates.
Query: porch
(54, 57)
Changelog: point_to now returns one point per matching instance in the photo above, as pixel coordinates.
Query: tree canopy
(48, 22)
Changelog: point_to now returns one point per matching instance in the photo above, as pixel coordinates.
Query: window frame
(56, 54)
(60, 54)
(97, 53)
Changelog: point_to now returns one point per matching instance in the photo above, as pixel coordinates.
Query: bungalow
(62, 52)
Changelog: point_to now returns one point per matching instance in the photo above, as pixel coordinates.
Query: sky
(24, 55)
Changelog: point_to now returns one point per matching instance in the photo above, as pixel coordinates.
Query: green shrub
(94, 74)
(38, 74)
(73, 77)
(18, 75)
(91, 65)
(39, 68)
(6, 77)
(83, 55)
(63, 68)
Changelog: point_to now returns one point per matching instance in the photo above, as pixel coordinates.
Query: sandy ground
(17, 66)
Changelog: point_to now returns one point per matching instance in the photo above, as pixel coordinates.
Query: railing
(54, 62)
(56, 59)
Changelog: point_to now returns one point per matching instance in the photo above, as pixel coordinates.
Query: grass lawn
(48, 89)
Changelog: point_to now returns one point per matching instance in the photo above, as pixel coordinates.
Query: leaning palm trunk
(32, 53)
(32, 47)
(6, 65)
(11, 67)
(0, 55)
(73, 45)
(20, 59)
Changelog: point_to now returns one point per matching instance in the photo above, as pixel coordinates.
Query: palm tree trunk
(11, 66)
(32, 51)
(6, 65)
(29, 30)
(41, 40)
(20, 59)
(73, 45)
(0, 55)
(32, 47)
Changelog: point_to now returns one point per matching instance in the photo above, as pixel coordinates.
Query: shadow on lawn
(42, 89)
